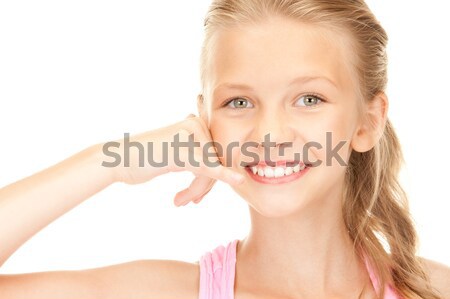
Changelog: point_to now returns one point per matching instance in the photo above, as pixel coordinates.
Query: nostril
(275, 144)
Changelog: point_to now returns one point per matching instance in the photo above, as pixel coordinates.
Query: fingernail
(178, 202)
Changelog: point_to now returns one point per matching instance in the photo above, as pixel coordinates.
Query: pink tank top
(217, 269)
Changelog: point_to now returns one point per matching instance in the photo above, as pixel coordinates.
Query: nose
(273, 129)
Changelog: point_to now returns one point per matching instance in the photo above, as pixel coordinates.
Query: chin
(271, 206)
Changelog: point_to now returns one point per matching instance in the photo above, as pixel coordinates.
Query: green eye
(310, 100)
(239, 103)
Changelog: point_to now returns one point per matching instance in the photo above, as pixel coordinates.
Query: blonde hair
(375, 207)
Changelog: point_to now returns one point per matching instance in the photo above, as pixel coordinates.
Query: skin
(302, 235)
(298, 224)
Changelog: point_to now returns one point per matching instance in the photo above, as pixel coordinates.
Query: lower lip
(279, 180)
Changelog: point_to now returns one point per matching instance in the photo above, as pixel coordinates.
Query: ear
(372, 123)
(202, 108)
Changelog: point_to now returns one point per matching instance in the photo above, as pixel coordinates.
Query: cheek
(328, 140)
(228, 140)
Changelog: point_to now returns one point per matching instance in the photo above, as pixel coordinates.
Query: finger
(198, 126)
(207, 166)
(202, 134)
(205, 128)
(198, 188)
(198, 200)
(210, 169)
(182, 197)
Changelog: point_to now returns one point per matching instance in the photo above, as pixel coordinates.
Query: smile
(282, 172)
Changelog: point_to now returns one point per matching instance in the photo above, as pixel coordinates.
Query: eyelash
(319, 97)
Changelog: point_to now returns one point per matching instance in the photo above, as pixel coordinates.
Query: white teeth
(288, 170)
(268, 172)
(277, 171)
(260, 172)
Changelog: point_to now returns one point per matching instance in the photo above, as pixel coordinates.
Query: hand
(205, 174)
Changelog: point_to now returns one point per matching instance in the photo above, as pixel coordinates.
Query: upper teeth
(279, 171)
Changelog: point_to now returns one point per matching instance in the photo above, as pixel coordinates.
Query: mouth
(276, 172)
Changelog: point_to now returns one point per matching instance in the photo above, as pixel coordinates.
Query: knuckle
(183, 132)
(199, 194)
(193, 191)
(191, 122)
(201, 165)
(195, 123)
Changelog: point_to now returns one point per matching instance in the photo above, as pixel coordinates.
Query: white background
(76, 73)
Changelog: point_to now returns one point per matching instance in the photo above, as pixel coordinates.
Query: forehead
(278, 50)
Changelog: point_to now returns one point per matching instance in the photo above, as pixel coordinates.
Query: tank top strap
(217, 274)
(389, 292)
(217, 270)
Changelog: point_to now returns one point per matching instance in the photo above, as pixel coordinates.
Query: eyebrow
(297, 80)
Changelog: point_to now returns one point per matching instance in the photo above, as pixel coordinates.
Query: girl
(299, 85)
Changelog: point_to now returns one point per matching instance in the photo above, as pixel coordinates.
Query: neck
(312, 247)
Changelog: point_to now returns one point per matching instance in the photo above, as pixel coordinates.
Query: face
(294, 82)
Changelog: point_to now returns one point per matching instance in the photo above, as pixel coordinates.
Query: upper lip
(264, 163)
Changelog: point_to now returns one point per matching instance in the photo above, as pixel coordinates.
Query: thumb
(190, 115)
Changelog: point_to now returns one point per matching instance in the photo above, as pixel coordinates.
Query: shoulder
(172, 278)
(439, 275)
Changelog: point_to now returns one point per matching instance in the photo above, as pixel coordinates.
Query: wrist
(102, 163)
